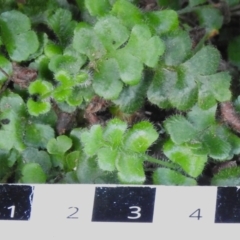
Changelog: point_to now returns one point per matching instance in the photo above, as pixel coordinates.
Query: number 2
(137, 212)
(71, 215)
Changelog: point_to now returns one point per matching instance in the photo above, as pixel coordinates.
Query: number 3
(137, 212)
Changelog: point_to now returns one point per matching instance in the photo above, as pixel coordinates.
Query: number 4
(196, 214)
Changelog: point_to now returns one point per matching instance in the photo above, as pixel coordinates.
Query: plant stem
(188, 10)
(162, 163)
(6, 177)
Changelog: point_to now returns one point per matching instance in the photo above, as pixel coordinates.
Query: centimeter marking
(159, 207)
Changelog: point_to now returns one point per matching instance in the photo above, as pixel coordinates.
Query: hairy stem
(162, 163)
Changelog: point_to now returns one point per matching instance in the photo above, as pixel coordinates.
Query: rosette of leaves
(115, 65)
(109, 55)
(67, 89)
(196, 138)
(185, 81)
(121, 44)
(20, 42)
(116, 154)
(45, 165)
(119, 149)
(21, 137)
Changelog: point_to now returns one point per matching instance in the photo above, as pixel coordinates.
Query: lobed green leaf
(155, 49)
(92, 140)
(227, 177)
(86, 41)
(40, 87)
(132, 98)
(214, 88)
(33, 155)
(210, 17)
(140, 137)
(88, 170)
(178, 47)
(202, 119)
(163, 21)
(129, 14)
(72, 160)
(60, 145)
(37, 135)
(37, 108)
(130, 68)
(218, 147)
(13, 110)
(204, 62)
(184, 93)
(62, 25)
(180, 129)
(51, 49)
(162, 87)
(33, 173)
(165, 176)
(106, 158)
(111, 32)
(75, 99)
(20, 42)
(130, 169)
(67, 63)
(193, 164)
(106, 82)
(97, 8)
(146, 48)
(114, 131)
(62, 93)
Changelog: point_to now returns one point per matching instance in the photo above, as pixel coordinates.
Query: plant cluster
(76, 78)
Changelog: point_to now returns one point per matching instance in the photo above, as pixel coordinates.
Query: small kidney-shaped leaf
(40, 87)
(33, 173)
(37, 108)
(59, 145)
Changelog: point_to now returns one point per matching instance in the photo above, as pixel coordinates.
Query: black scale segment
(15, 202)
(228, 205)
(123, 204)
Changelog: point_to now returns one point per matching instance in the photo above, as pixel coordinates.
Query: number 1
(12, 210)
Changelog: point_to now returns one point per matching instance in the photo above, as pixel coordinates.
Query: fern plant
(128, 57)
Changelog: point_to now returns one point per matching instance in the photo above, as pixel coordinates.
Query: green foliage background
(129, 56)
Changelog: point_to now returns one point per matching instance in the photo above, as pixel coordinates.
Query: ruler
(85, 211)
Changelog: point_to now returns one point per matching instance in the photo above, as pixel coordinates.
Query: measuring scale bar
(41, 211)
